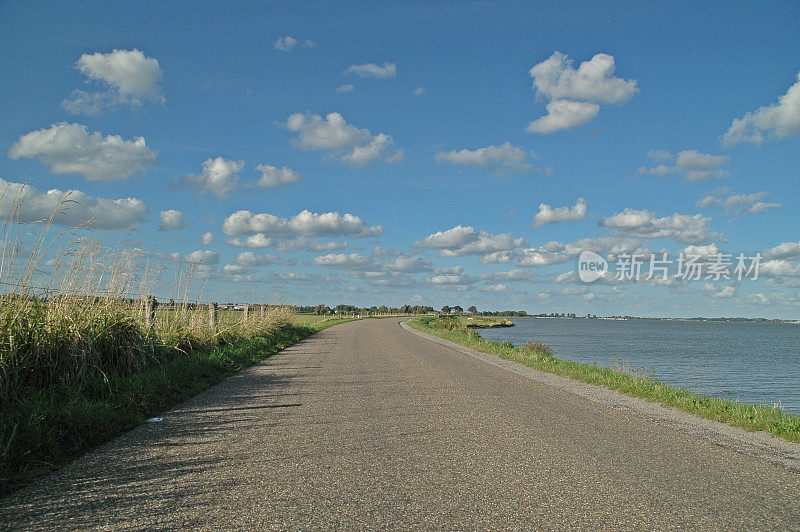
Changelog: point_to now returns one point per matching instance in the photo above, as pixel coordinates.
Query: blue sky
(441, 129)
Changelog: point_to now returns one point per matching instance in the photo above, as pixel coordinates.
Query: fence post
(150, 312)
(212, 315)
(246, 311)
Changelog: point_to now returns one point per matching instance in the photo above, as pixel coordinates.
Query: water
(753, 362)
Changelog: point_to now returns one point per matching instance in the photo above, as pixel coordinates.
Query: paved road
(367, 425)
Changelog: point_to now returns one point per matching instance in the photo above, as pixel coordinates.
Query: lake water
(753, 362)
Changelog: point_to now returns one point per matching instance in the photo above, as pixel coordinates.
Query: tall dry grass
(72, 307)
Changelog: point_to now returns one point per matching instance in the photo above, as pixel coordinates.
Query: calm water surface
(753, 362)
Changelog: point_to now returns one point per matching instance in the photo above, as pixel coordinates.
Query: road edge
(760, 444)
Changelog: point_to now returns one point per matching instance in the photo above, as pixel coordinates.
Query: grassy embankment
(75, 372)
(635, 383)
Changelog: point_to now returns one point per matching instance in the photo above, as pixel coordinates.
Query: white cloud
(575, 95)
(272, 176)
(783, 251)
(286, 43)
(660, 155)
(419, 91)
(71, 149)
(407, 263)
(248, 259)
(779, 120)
(344, 89)
(129, 77)
(23, 203)
(693, 164)
(593, 81)
(219, 177)
(541, 257)
(564, 114)
(171, 219)
(496, 288)
(737, 204)
(207, 238)
(354, 146)
(548, 214)
(371, 70)
(505, 158)
(450, 239)
(779, 268)
(202, 257)
(258, 240)
(460, 241)
(704, 251)
(341, 261)
(684, 228)
(511, 275)
(304, 223)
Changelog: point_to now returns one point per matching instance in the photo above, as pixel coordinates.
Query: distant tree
(473, 310)
(445, 310)
(457, 309)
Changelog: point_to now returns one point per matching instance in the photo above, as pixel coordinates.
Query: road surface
(368, 425)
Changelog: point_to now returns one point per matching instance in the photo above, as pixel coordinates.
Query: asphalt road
(366, 425)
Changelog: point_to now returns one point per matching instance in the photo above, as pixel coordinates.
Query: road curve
(368, 425)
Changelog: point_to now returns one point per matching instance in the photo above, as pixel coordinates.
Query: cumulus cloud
(171, 219)
(72, 208)
(419, 91)
(272, 176)
(511, 275)
(777, 120)
(258, 240)
(201, 257)
(219, 177)
(391, 271)
(342, 261)
(779, 268)
(371, 70)
(207, 238)
(548, 214)
(452, 238)
(575, 94)
(354, 146)
(460, 241)
(288, 43)
(783, 251)
(684, 228)
(344, 89)
(71, 149)
(248, 259)
(496, 288)
(737, 204)
(504, 159)
(593, 81)
(129, 76)
(564, 114)
(693, 164)
(305, 223)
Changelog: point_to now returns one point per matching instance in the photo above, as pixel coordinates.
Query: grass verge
(637, 384)
(48, 427)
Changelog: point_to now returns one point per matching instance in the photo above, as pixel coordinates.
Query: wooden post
(150, 312)
(212, 315)
(261, 310)
(246, 311)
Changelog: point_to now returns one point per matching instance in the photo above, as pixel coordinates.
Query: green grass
(49, 426)
(635, 383)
